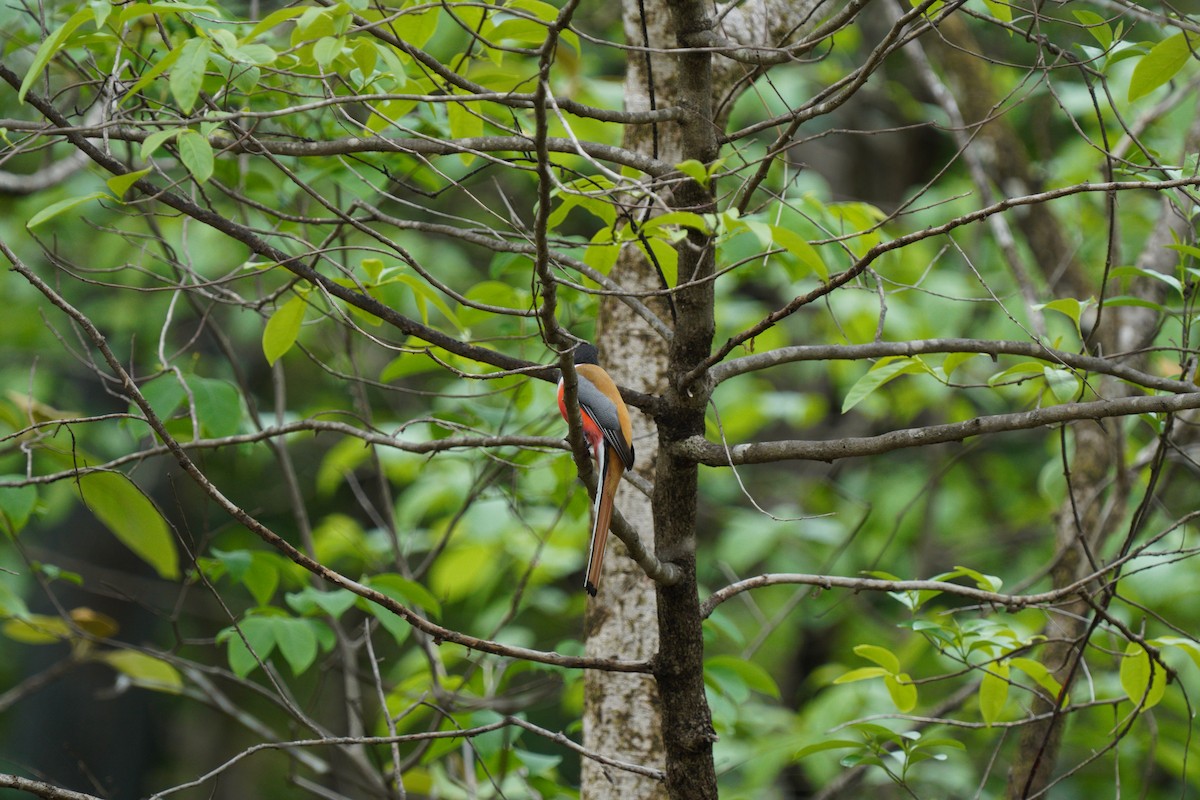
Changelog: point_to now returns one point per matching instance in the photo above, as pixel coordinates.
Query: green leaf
(828, 744)
(223, 39)
(753, 675)
(880, 655)
(241, 661)
(120, 505)
(365, 56)
(989, 583)
(326, 50)
(1025, 369)
(232, 563)
(297, 640)
(602, 251)
(857, 216)
(16, 504)
(953, 744)
(312, 601)
(1144, 682)
(120, 184)
(340, 537)
(1135, 271)
(11, 603)
(694, 170)
(273, 20)
(260, 576)
(861, 674)
(188, 73)
(240, 53)
(36, 629)
(420, 26)
(883, 371)
(53, 572)
(385, 114)
(314, 22)
(423, 294)
(147, 78)
(154, 141)
(993, 691)
(727, 683)
(878, 733)
(955, 360)
(863, 759)
(719, 628)
(1040, 674)
(393, 624)
(196, 154)
(145, 670)
(259, 632)
(664, 255)
(1160, 65)
(914, 600)
(344, 457)
(1000, 10)
(930, 12)
(882, 575)
(465, 123)
(374, 268)
(1064, 384)
(405, 591)
(524, 31)
(1191, 648)
(50, 46)
(282, 329)
(101, 11)
(164, 394)
(218, 405)
(1069, 307)
(683, 219)
(54, 209)
(251, 54)
(902, 690)
(1186, 249)
(134, 10)
(806, 255)
(1125, 300)
(407, 364)
(1096, 25)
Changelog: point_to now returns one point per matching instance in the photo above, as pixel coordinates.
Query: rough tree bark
(622, 713)
(664, 721)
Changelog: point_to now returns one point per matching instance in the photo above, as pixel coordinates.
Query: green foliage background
(158, 594)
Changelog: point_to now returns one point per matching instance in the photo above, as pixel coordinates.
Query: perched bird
(610, 435)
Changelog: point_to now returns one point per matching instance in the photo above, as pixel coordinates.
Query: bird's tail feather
(610, 478)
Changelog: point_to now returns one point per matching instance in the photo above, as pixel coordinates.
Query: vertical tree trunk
(666, 721)
(634, 717)
(622, 712)
(687, 722)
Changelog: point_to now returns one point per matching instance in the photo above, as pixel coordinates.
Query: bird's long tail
(610, 471)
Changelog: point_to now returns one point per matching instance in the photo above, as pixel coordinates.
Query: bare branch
(855, 352)
(42, 789)
(1082, 587)
(560, 738)
(331, 741)
(702, 451)
(350, 145)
